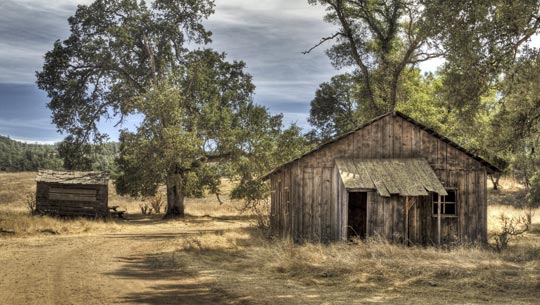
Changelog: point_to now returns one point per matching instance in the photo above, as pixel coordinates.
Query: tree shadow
(166, 235)
(143, 220)
(176, 281)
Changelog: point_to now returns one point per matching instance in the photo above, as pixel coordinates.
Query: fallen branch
(50, 231)
(7, 231)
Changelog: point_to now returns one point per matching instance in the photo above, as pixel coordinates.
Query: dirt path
(124, 268)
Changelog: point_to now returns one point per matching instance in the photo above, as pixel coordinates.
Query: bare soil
(214, 256)
(126, 267)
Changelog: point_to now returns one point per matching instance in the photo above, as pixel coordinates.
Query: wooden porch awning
(404, 177)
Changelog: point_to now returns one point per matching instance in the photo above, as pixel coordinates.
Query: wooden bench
(113, 211)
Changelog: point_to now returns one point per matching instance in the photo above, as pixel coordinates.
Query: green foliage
(480, 39)
(16, 156)
(200, 123)
(336, 107)
(384, 41)
(516, 126)
(199, 126)
(115, 51)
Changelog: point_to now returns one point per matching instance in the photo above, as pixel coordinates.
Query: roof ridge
(377, 118)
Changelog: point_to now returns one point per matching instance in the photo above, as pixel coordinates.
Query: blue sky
(269, 35)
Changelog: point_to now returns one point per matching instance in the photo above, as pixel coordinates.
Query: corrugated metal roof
(73, 177)
(405, 177)
(490, 167)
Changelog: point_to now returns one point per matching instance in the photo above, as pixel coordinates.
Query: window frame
(444, 203)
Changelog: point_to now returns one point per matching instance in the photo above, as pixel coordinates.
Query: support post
(415, 222)
(407, 220)
(439, 219)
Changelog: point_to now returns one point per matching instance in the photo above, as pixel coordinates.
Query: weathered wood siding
(72, 200)
(316, 205)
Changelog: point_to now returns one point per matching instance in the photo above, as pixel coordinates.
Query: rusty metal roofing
(405, 177)
(490, 167)
(73, 177)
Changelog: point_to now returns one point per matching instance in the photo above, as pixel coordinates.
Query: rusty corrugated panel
(405, 177)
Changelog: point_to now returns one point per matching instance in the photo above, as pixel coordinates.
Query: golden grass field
(214, 256)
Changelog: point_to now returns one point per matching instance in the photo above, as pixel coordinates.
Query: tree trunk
(495, 180)
(175, 197)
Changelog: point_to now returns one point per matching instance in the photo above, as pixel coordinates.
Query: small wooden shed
(393, 178)
(71, 193)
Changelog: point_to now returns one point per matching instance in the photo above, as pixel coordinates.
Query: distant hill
(18, 156)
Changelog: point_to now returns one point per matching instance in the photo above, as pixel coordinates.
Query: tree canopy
(199, 122)
(115, 50)
(381, 40)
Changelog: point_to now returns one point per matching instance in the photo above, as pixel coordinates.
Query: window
(448, 203)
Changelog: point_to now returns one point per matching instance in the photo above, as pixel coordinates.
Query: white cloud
(269, 35)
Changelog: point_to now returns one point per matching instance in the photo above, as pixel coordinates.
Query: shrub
(146, 209)
(31, 202)
(157, 203)
(511, 228)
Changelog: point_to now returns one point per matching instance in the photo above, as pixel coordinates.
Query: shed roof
(405, 177)
(73, 177)
(490, 167)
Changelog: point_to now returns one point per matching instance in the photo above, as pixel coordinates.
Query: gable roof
(488, 165)
(73, 177)
(403, 176)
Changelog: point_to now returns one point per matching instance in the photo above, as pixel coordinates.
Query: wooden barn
(393, 178)
(68, 193)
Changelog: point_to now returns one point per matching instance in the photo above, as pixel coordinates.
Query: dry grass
(15, 216)
(244, 262)
(371, 271)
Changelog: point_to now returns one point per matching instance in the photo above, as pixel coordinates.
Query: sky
(269, 35)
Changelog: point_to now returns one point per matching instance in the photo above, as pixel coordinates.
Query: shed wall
(316, 206)
(71, 199)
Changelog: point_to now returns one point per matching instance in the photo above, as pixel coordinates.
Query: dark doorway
(357, 215)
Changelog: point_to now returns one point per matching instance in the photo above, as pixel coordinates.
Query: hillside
(18, 156)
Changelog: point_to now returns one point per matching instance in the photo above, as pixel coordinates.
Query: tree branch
(323, 40)
(354, 51)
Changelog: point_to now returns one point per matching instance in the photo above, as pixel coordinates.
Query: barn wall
(72, 200)
(317, 207)
(385, 217)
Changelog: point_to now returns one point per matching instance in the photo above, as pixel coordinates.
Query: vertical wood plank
(326, 200)
(317, 202)
(388, 217)
(386, 145)
(416, 142)
(397, 145)
(370, 206)
(380, 216)
(484, 211)
(307, 195)
(300, 205)
(334, 203)
(344, 214)
(406, 139)
(439, 219)
(400, 218)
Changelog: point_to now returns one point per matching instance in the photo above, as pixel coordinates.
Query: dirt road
(125, 267)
